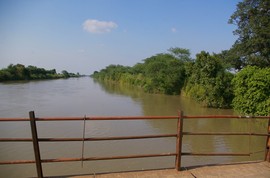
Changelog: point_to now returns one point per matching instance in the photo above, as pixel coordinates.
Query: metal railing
(178, 135)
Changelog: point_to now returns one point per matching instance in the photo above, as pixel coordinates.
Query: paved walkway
(240, 170)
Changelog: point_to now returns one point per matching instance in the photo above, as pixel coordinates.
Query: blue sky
(87, 35)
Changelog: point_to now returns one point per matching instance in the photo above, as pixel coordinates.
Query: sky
(87, 35)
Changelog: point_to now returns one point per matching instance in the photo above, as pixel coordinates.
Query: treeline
(238, 77)
(162, 73)
(207, 79)
(20, 72)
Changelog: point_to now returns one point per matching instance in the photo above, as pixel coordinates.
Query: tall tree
(253, 44)
(181, 53)
(208, 82)
(65, 74)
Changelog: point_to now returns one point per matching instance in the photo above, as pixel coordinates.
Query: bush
(252, 91)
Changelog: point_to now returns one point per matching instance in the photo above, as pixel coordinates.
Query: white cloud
(96, 26)
(174, 30)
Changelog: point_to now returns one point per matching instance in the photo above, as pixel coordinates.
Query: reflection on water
(83, 96)
(158, 104)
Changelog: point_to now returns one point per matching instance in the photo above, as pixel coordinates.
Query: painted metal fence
(178, 135)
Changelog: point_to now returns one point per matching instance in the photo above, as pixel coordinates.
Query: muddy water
(83, 96)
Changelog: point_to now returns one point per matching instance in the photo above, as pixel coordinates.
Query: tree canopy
(209, 83)
(20, 72)
(161, 73)
(252, 47)
(205, 79)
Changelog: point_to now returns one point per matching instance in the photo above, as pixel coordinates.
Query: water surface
(84, 96)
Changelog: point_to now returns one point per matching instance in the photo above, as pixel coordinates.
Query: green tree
(65, 74)
(208, 82)
(161, 73)
(20, 72)
(5, 75)
(16, 72)
(253, 44)
(252, 91)
(181, 54)
(164, 74)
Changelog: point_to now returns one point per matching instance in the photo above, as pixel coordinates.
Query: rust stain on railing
(178, 135)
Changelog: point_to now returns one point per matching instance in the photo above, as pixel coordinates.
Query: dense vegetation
(253, 44)
(252, 91)
(162, 73)
(209, 82)
(207, 78)
(20, 72)
(204, 79)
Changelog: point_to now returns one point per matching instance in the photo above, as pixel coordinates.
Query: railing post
(267, 151)
(35, 143)
(179, 141)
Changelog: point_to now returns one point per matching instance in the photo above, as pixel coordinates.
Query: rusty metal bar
(16, 140)
(179, 141)
(125, 137)
(121, 157)
(86, 139)
(133, 118)
(106, 138)
(106, 158)
(225, 117)
(90, 118)
(87, 159)
(215, 154)
(225, 133)
(35, 144)
(61, 119)
(17, 162)
(13, 119)
(94, 118)
(267, 145)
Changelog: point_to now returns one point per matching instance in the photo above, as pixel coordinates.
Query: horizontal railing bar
(132, 118)
(90, 118)
(16, 140)
(106, 138)
(126, 137)
(14, 119)
(87, 139)
(225, 133)
(106, 158)
(225, 117)
(17, 162)
(122, 157)
(62, 119)
(87, 159)
(106, 118)
(214, 154)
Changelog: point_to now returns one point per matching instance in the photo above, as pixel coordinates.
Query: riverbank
(19, 72)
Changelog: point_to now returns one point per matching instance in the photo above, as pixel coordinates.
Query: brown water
(83, 96)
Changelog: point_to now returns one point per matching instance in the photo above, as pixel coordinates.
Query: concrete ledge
(236, 170)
